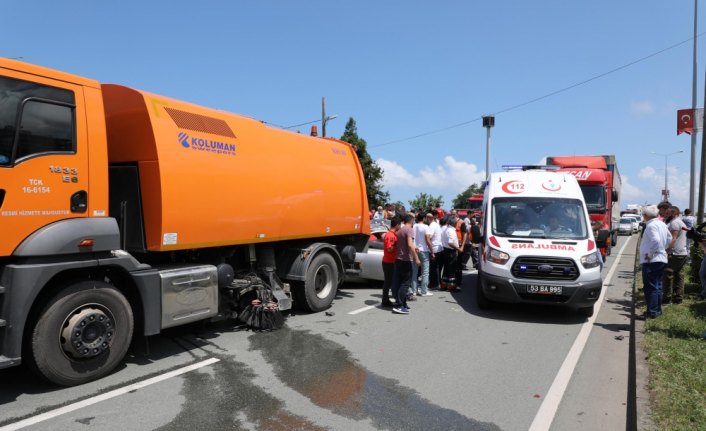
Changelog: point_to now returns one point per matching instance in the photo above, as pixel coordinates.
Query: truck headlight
(497, 256)
(591, 260)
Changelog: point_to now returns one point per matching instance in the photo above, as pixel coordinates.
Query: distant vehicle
(625, 227)
(636, 219)
(368, 263)
(633, 209)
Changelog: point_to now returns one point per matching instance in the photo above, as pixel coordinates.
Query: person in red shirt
(439, 212)
(388, 260)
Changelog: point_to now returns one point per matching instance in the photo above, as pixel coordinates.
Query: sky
(415, 75)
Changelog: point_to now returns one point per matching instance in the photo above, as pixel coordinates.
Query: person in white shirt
(434, 234)
(677, 253)
(653, 257)
(379, 214)
(423, 244)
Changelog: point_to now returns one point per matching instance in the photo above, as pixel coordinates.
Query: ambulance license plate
(544, 290)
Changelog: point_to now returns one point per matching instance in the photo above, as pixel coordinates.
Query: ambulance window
(45, 127)
(43, 115)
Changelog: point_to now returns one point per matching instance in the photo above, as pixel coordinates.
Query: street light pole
(488, 123)
(323, 117)
(692, 178)
(665, 192)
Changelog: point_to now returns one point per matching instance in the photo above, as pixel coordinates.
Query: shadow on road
(529, 313)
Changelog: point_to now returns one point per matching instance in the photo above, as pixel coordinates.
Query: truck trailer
(124, 213)
(600, 182)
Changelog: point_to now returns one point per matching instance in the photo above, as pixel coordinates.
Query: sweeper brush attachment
(262, 312)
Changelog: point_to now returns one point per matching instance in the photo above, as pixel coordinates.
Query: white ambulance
(538, 245)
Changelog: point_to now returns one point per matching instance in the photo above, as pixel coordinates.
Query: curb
(639, 416)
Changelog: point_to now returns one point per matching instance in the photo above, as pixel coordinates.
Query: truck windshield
(474, 204)
(556, 218)
(594, 197)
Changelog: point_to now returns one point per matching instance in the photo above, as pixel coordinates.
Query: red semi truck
(600, 182)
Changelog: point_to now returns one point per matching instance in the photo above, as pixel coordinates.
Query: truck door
(43, 155)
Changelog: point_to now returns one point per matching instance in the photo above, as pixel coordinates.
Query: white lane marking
(108, 395)
(354, 312)
(547, 411)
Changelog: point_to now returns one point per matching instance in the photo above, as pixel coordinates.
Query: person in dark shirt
(406, 256)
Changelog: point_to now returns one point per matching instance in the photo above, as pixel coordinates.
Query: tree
(461, 200)
(371, 171)
(424, 201)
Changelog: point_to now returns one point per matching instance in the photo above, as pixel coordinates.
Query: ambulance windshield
(555, 218)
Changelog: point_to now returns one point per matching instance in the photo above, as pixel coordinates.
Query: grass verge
(676, 357)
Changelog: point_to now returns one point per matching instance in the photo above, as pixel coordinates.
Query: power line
(537, 99)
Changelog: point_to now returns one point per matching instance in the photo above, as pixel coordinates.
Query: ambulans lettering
(207, 145)
(561, 247)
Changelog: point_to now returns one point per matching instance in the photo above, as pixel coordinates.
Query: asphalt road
(447, 365)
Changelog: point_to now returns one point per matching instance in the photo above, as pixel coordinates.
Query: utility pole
(702, 180)
(692, 185)
(488, 123)
(323, 117)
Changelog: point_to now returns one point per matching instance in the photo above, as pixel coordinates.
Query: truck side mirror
(614, 195)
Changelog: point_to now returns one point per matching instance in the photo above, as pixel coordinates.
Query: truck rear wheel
(320, 285)
(82, 334)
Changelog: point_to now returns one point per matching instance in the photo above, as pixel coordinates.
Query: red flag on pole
(685, 121)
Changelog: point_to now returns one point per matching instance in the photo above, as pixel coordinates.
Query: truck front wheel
(320, 285)
(82, 334)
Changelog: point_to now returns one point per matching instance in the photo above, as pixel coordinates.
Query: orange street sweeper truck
(123, 213)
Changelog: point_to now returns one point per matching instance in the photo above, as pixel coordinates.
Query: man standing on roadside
(673, 278)
(663, 207)
(388, 260)
(422, 244)
(653, 257)
(688, 219)
(434, 235)
(406, 257)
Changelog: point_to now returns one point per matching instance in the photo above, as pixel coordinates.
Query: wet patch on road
(324, 372)
(226, 398)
